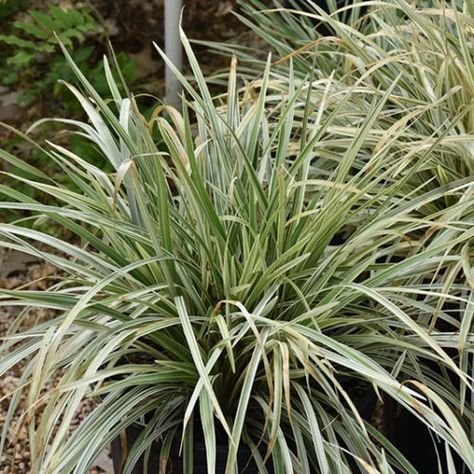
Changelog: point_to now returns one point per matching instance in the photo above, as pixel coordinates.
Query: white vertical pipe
(173, 50)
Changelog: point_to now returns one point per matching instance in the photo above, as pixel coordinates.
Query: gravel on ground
(20, 270)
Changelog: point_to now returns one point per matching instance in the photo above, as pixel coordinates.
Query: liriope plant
(423, 46)
(225, 277)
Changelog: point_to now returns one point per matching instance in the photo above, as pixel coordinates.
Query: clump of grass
(423, 48)
(227, 274)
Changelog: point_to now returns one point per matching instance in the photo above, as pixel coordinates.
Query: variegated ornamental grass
(208, 280)
(424, 47)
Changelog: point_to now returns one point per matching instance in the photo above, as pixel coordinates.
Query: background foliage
(31, 62)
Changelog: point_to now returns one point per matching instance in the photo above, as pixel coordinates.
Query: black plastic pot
(175, 463)
(414, 440)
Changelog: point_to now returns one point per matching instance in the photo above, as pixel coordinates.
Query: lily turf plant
(224, 275)
(422, 46)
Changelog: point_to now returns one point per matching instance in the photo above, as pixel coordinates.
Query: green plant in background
(211, 284)
(7, 12)
(31, 65)
(35, 44)
(36, 62)
(10, 8)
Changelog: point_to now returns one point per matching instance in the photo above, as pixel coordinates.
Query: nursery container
(414, 440)
(245, 461)
(175, 463)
